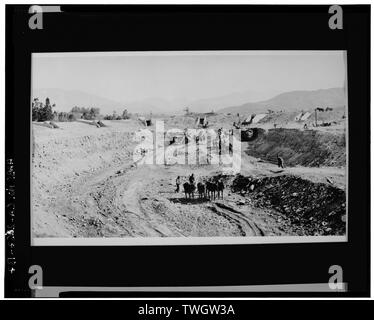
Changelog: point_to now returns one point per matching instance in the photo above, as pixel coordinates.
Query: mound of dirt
(313, 208)
(300, 147)
(215, 121)
(284, 118)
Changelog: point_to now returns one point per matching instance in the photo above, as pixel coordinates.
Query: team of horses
(208, 190)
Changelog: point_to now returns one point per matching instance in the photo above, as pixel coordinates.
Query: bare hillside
(293, 101)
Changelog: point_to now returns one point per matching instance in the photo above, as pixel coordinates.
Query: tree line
(125, 115)
(44, 112)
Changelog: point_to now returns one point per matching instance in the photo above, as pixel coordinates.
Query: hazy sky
(136, 76)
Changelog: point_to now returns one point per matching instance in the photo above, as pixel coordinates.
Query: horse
(189, 189)
(211, 189)
(201, 190)
(220, 188)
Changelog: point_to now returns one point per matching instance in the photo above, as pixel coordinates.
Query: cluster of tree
(125, 115)
(91, 114)
(86, 113)
(63, 116)
(40, 111)
(80, 110)
(43, 112)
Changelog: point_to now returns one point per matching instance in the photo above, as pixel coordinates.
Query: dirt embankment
(300, 147)
(310, 208)
(62, 160)
(282, 119)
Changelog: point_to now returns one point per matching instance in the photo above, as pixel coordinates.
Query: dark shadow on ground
(188, 201)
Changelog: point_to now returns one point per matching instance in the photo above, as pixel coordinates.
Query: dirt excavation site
(90, 181)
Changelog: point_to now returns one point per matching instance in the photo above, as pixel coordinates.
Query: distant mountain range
(232, 99)
(293, 101)
(65, 100)
(238, 102)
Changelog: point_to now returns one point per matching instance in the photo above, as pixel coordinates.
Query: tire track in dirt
(244, 224)
(130, 197)
(121, 199)
(119, 195)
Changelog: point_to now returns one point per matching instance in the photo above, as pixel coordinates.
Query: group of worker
(178, 181)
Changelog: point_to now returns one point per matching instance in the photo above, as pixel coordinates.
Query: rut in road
(118, 196)
(246, 226)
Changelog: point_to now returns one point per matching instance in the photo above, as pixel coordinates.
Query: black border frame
(188, 27)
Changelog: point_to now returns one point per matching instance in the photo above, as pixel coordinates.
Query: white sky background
(189, 75)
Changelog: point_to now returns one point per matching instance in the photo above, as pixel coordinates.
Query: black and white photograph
(171, 153)
(189, 147)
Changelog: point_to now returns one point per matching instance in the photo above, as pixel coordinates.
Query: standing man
(192, 179)
(185, 136)
(219, 140)
(280, 162)
(178, 182)
(230, 148)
